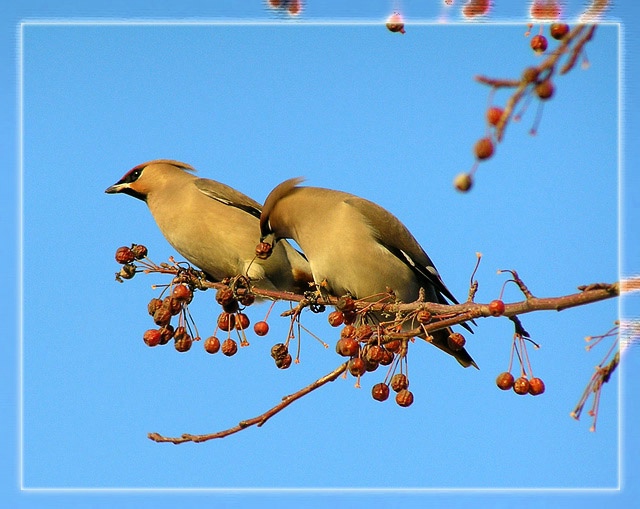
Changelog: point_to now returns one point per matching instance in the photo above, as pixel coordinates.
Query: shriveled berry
(229, 347)
(349, 331)
(505, 381)
(182, 293)
(127, 271)
(544, 89)
(494, 114)
(139, 251)
(346, 303)
(536, 386)
(404, 398)
(370, 365)
(264, 250)
(521, 385)
(357, 366)
(456, 341)
(393, 345)
(336, 318)
(261, 328)
(224, 295)
(364, 332)
(496, 307)
(242, 321)
(380, 391)
(124, 255)
(349, 317)
(247, 299)
(279, 350)
(284, 362)
(558, 30)
(399, 381)
(212, 344)
(374, 353)
(162, 316)
(173, 305)
(152, 337)
(483, 149)
(183, 343)
(226, 321)
(387, 357)
(154, 305)
(539, 43)
(463, 182)
(347, 347)
(166, 333)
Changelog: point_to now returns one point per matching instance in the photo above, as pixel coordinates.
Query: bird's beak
(115, 188)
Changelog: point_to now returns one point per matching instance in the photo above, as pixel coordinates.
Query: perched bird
(212, 225)
(355, 247)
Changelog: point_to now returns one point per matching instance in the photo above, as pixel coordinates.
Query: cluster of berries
(539, 83)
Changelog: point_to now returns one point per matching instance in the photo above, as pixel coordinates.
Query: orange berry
(536, 386)
(496, 307)
(229, 347)
(494, 114)
(404, 398)
(212, 344)
(456, 341)
(336, 318)
(357, 366)
(399, 381)
(347, 347)
(463, 182)
(505, 381)
(483, 149)
(539, 44)
(124, 255)
(521, 385)
(152, 337)
(380, 391)
(544, 89)
(226, 321)
(261, 328)
(558, 30)
(242, 321)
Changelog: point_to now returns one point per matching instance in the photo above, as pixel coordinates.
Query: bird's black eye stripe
(132, 176)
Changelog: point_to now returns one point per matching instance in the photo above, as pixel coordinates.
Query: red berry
(264, 250)
(505, 381)
(124, 255)
(336, 318)
(399, 381)
(475, 8)
(346, 303)
(357, 366)
(536, 386)
(242, 321)
(496, 307)
(212, 344)
(494, 114)
(387, 357)
(182, 293)
(456, 341)
(539, 43)
(247, 299)
(152, 337)
(226, 321)
(404, 398)
(347, 347)
(380, 391)
(521, 385)
(558, 30)
(544, 89)
(423, 316)
(530, 74)
(363, 332)
(483, 148)
(261, 328)
(229, 347)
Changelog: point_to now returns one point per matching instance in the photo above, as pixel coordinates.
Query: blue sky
(349, 106)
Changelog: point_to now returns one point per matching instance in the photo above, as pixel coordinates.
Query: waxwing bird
(355, 247)
(215, 227)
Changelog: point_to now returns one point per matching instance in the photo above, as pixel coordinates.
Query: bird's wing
(396, 238)
(228, 196)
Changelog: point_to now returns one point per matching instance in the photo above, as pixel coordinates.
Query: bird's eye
(133, 175)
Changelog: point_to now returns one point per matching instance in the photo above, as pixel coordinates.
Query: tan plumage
(212, 225)
(355, 247)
